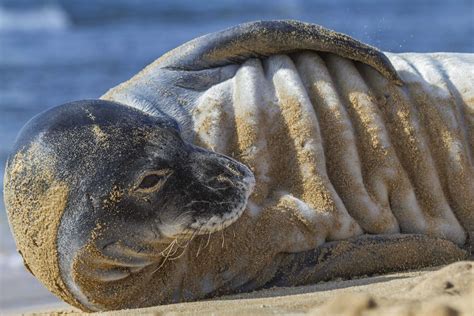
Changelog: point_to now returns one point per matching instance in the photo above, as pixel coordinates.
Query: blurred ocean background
(52, 52)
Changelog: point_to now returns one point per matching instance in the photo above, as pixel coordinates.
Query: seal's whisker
(170, 251)
(180, 255)
(199, 249)
(160, 266)
(195, 233)
(188, 242)
(208, 239)
(181, 245)
(167, 248)
(223, 238)
(200, 242)
(175, 250)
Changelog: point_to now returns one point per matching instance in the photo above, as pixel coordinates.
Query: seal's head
(105, 171)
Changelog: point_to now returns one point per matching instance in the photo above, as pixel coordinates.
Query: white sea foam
(42, 18)
(10, 261)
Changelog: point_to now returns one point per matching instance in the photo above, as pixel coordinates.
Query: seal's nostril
(221, 179)
(245, 171)
(234, 170)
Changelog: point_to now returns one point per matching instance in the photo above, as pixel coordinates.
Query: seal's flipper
(172, 84)
(266, 38)
(365, 255)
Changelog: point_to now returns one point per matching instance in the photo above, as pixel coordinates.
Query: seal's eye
(153, 180)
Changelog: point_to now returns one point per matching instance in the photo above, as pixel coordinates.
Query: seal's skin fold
(343, 141)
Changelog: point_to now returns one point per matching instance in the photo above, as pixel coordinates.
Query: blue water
(52, 52)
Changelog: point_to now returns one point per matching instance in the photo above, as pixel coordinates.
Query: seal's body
(361, 164)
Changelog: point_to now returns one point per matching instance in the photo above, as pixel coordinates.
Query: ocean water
(52, 52)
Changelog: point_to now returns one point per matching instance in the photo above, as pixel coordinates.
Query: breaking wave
(10, 261)
(42, 18)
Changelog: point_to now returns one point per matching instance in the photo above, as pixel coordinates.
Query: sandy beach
(445, 290)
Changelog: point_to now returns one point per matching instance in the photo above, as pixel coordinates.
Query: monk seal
(271, 153)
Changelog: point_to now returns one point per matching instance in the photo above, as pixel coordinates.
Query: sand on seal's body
(337, 151)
